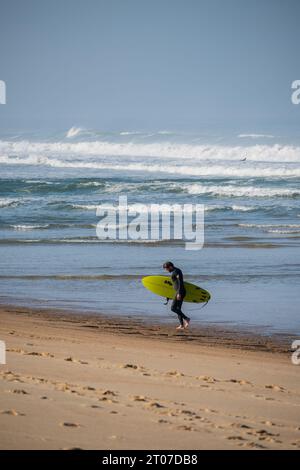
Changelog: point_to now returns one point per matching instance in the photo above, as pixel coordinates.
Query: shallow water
(51, 256)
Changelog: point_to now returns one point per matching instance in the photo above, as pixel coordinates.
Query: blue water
(50, 254)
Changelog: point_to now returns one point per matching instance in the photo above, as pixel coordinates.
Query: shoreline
(207, 334)
(99, 383)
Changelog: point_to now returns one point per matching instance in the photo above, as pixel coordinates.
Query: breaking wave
(164, 150)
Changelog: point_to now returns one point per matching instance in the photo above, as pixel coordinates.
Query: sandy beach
(73, 381)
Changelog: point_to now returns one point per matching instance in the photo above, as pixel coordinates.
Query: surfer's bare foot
(180, 327)
(186, 323)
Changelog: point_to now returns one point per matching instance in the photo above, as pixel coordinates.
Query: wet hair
(168, 264)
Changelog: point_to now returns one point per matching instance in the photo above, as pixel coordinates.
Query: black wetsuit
(177, 279)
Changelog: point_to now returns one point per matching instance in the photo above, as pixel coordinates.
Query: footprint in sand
(136, 367)
(263, 434)
(236, 438)
(276, 388)
(270, 423)
(139, 398)
(187, 412)
(107, 400)
(207, 378)
(253, 445)
(185, 427)
(131, 366)
(155, 404)
(209, 410)
(70, 425)
(35, 353)
(240, 426)
(30, 353)
(11, 377)
(110, 393)
(175, 373)
(240, 382)
(262, 397)
(12, 412)
(60, 387)
(15, 350)
(77, 361)
(19, 391)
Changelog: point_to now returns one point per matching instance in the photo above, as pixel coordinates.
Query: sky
(141, 64)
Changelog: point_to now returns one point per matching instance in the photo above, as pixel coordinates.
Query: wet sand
(97, 382)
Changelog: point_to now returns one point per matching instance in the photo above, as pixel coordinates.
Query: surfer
(177, 280)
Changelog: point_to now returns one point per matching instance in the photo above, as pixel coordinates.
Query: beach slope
(79, 382)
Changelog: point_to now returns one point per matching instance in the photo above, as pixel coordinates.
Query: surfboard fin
(167, 301)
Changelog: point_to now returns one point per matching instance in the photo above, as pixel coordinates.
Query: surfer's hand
(178, 297)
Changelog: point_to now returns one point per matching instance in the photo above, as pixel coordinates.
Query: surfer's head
(168, 266)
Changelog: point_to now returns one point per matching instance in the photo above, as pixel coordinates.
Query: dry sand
(100, 383)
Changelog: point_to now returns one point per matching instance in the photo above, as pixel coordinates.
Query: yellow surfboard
(162, 285)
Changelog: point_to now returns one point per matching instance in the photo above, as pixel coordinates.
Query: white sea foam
(204, 169)
(130, 133)
(165, 132)
(286, 226)
(142, 208)
(163, 150)
(263, 161)
(88, 207)
(283, 232)
(241, 191)
(73, 132)
(7, 202)
(90, 184)
(29, 227)
(41, 182)
(281, 229)
(234, 208)
(256, 136)
(137, 207)
(243, 208)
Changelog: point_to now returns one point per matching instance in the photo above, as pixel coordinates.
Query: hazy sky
(155, 64)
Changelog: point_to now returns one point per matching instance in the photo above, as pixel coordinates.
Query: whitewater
(50, 188)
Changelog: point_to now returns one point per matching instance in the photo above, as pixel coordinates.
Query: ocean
(51, 185)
